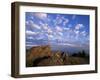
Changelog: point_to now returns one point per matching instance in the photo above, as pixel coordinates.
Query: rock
(37, 52)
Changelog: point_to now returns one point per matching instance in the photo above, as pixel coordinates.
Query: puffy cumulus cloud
(49, 31)
(84, 33)
(59, 29)
(79, 26)
(65, 22)
(30, 37)
(36, 26)
(63, 18)
(76, 31)
(50, 36)
(59, 21)
(27, 22)
(41, 23)
(40, 15)
(45, 27)
(33, 25)
(31, 45)
(39, 38)
(60, 33)
(29, 32)
(54, 22)
(58, 16)
(66, 28)
(31, 17)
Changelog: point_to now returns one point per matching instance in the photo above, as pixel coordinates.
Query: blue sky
(57, 29)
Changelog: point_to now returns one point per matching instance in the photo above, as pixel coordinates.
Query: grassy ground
(43, 56)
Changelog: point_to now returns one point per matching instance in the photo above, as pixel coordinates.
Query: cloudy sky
(57, 29)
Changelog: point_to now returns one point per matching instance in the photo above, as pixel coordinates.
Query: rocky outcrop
(38, 51)
(44, 56)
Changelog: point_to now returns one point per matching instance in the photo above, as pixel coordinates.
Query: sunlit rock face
(44, 56)
(38, 51)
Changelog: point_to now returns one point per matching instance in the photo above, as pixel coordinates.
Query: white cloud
(40, 15)
(28, 32)
(31, 45)
(79, 26)
(32, 17)
(50, 36)
(83, 33)
(66, 28)
(55, 22)
(45, 27)
(28, 42)
(27, 22)
(39, 38)
(65, 22)
(76, 31)
(31, 22)
(59, 29)
(36, 26)
(33, 25)
(49, 30)
(68, 44)
(30, 37)
(59, 21)
(41, 23)
(60, 33)
(63, 17)
(58, 16)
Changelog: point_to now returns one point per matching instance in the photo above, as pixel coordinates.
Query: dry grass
(43, 56)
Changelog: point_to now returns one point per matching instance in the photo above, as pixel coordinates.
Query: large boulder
(37, 52)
